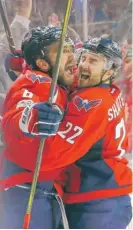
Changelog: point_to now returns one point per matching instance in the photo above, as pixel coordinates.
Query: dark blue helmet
(106, 47)
(36, 42)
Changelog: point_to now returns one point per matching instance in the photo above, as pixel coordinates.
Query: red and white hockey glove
(15, 64)
(41, 119)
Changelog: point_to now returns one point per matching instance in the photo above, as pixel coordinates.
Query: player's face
(91, 69)
(67, 63)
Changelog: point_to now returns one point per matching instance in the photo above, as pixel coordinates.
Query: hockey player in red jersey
(31, 89)
(84, 133)
(92, 134)
(99, 198)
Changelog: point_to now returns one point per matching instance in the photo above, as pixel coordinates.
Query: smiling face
(67, 63)
(91, 69)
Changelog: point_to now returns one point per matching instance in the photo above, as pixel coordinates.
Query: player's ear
(42, 64)
(108, 74)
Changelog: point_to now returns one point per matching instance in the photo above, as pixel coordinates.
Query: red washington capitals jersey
(92, 135)
(33, 86)
(94, 121)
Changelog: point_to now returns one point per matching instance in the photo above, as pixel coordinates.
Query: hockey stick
(7, 28)
(27, 216)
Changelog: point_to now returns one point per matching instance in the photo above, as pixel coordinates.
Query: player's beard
(66, 75)
(66, 79)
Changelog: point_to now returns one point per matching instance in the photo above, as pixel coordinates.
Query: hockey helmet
(106, 47)
(36, 42)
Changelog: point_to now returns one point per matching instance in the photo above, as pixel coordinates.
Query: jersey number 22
(70, 127)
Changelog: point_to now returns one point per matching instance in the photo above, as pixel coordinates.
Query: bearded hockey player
(31, 91)
(93, 135)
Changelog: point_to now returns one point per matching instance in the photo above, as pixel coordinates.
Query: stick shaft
(7, 28)
(58, 59)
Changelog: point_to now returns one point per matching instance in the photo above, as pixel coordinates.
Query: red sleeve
(84, 124)
(27, 89)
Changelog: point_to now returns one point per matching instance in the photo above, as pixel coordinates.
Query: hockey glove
(14, 62)
(41, 119)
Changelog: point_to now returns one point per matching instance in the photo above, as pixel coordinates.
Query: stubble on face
(67, 63)
(91, 70)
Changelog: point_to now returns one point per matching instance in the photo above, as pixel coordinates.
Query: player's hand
(41, 119)
(14, 64)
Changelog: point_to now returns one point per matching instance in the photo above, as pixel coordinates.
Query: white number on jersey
(120, 131)
(70, 127)
(27, 94)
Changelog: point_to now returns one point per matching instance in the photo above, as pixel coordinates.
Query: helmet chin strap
(45, 57)
(107, 66)
(111, 78)
(50, 70)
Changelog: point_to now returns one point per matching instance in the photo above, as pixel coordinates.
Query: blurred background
(88, 17)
